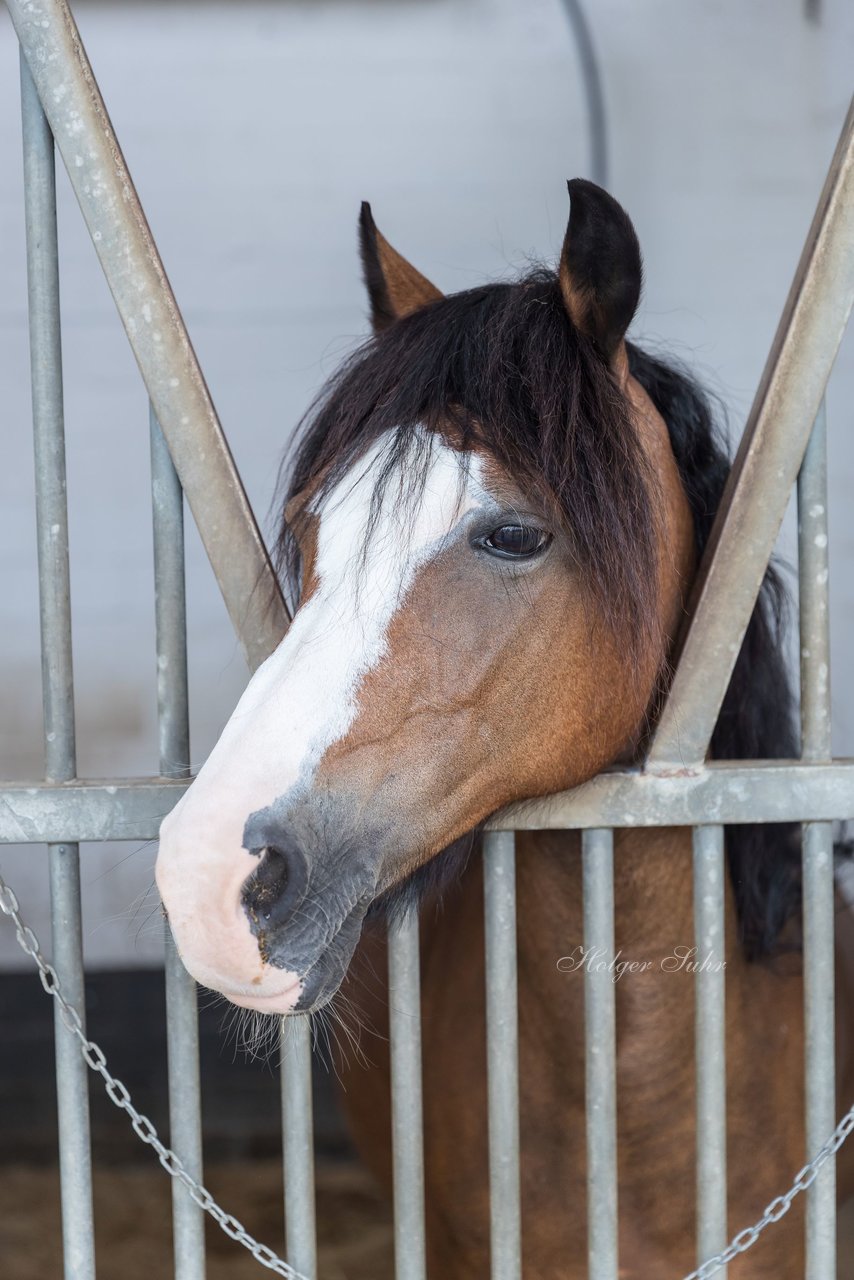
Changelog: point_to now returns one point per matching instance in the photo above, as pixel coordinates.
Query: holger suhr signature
(680, 960)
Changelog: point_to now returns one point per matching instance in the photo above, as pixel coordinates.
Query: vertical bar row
(818, 878)
(298, 1145)
(406, 1097)
(710, 1042)
(75, 1155)
(173, 720)
(502, 1054)
(597, 854)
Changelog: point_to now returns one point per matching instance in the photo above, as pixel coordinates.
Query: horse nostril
(276, 887)
(268, 884)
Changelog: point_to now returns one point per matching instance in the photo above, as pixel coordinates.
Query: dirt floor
(133, 1222)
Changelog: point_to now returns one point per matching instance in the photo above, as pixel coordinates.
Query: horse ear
(600, 267)
(394, 287)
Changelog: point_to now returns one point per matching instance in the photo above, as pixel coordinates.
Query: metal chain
(780, 1206)
(146, 1131)
(118, 1094)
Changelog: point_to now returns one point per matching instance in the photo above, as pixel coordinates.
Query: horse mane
(503, 368)
(756, 720)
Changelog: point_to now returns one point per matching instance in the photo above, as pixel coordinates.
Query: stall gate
(784, 442)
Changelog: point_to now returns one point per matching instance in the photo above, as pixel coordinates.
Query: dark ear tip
(578, 185)
(584, 189)
(366, 219)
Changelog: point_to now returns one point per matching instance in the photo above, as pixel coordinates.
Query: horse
(490, 529)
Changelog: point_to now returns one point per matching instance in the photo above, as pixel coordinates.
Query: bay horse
(491, 526)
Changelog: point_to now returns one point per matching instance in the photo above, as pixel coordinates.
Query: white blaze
(299, 702)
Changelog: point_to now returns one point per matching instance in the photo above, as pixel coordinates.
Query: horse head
(490, 545)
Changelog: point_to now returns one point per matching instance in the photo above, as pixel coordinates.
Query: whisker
(121, 861)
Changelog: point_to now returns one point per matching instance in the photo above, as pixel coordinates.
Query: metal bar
(94, 809)
(170, 608)
(818, 878)
(88, 809)
(765, 468)
(75, 1155)
(410, 1256)
(185, 1115)
(502, 1054)
(719, 792)
(173, 719)
(149, 312)
(710, 1043)
(298, 1145)
(818, 914)
(813, 592)
(72, 1083)
(594, 92)
(600, 1054)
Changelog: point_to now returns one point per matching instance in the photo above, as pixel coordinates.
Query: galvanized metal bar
(75, 1155)
(765, 468)
(819, 922)
(813, 593)
(719, 792)
(404, 966)
(818, 869)
(502, 1054)
(710, 1043)
(600, 1053)
(173, 719)
(48, 436)
(72, 1083)
(298, 1145)
(185, 1114)
(124, 244)
(95, 809)
(170, 608)
(594, 92)
(90, 809)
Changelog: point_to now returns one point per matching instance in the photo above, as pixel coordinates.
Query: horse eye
(516, 541)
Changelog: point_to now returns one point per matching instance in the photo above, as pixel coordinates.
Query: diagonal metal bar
(765, 468)
(135, 274)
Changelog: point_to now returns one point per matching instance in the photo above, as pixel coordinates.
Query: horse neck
(653, 924)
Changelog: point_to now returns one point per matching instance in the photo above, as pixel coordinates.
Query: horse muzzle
(271, 922)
